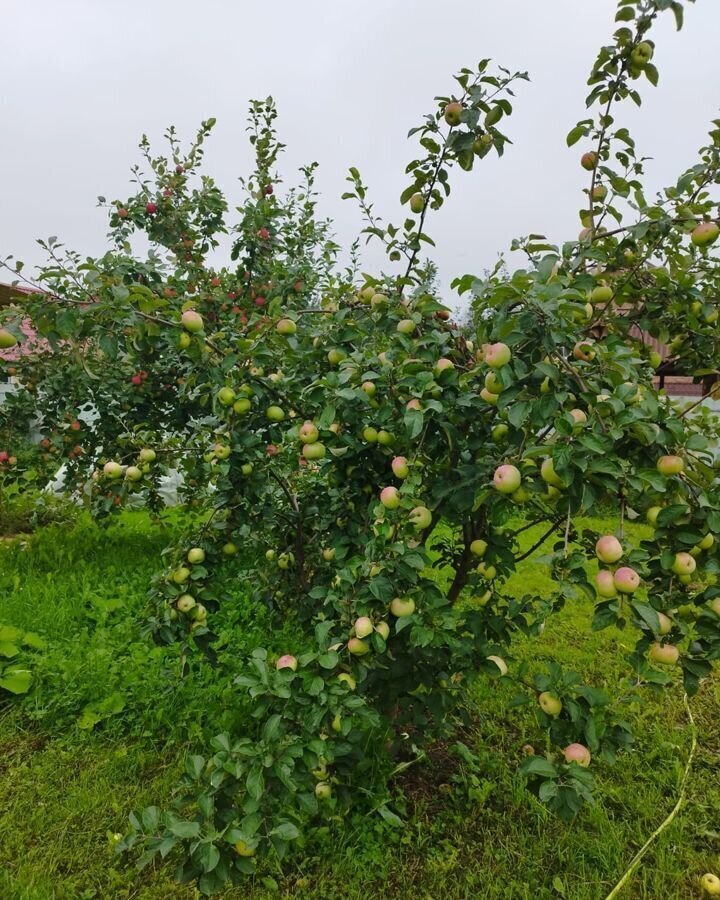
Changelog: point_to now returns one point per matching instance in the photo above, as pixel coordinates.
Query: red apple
(577, 753)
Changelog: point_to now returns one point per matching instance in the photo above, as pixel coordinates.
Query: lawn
(91, 743)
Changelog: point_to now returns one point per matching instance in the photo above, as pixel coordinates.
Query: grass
(472, 832)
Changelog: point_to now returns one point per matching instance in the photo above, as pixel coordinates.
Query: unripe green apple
(601, 294)
(405, 326)
(383, 629)
(370, 434)
(323, 791)
(335, 356)
(507, 479)
(420, 517)
(286, 327)
(493, 383)
(390, 498)
(478, 548)
(599, 193)
(147, 455)
(363, 627)
(385, 438)
(132, 473)
(270, 555)
(222, 451)
(369, 387)
(336, 723)
(196, 555)
(683, 564)
(379, 301)
(185, 603)
(357, 647)
(497, 355)
(608, 549)
(715, 606)
(347, 679)
(666, 624)
(275, 413)
(641, 54)
(499, 432)
(548, 473)
(665, 654)
(400, 467)
(112, 469)
(226, 396)
(229, 549)
(180, 575)
(417, 203)
(489, 397)
(453, 112)
(652, 514)
(584, 351)
(313, 451)
(242, 849)
(707, 542)
(710, 885)
(402, 606)
(328, 554)
(550, 704)
(246, 468)
(7, 339)
(192, 321)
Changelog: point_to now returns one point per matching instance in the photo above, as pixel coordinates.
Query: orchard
(370, 467)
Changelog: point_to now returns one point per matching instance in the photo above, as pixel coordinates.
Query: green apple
(147, 455)
(370, 434)
(229, 549)
(383, 629)
(420, 517)
(242, 405)
(358, 647)
(112, 469)
(346, 678)
(313, 451)
(132, 473)
(185, 603)
(385, 438)
(275, 413)
(196, 555)
(180, 575)
(390, 497)
(453, 112)
(402, 606)
(478, 547)
(226, 396)
(550, 704)
(286, 327)
(664, 654)
(192, 321)
(417, 203)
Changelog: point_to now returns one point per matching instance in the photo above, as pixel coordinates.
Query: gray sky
(81, 80)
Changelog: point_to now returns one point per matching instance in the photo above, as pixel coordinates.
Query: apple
(390, 498)
(402, 606)
(370, 434)
(334, 427)
(548, 474)
(583, 351)
(183, 341)
(493, 383)
(270, 555)
(627, 580)
(665, 654)
(641, 54)
(579, 416)
(192, 321)
(196, 555)
(185, 603)
(313, 451)
(226, 396)
(589, 160)
(328, 554)
(378, 301)
(413, 404)
(112, 469)
(420, 517)
(147, 455)
(704, 234)
(478, 547)
(507, 479)
(489, 397)
(715, 606)
(604, 583)
(286, 327)
(323, 791)
(400, 467)
(357, 647)
(550, 704)
(369, 387)
(488, 572)
(601, 294)
(443, 365)
(499, 432)
(707, 542)
(287, 662)
(363, 627)
(683, 564)
(229, 549)
(666, 623)
(599, 193)
(383, 629)
(452, 113)
(242, 405)
(151, 208)
(417, 203)
(243, 849)
(405, 326)
(335, 356)
(246, 468)
(336, 723)
(710, 884)
(500, 663)
(275, 413)
(385, 438)
(670, 465)
(133, 473)
(346, 678)
(180, 575)
(608, 549)
(497, 355)
(222, 451)
(652, 514)
(577, 753)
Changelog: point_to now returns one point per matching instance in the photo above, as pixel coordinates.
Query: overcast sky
(81, 80)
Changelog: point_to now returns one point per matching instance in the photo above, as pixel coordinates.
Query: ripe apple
(452, 113)
(390, 498)
(328, 554)
(185, 603)
(577, 753)
(229, 549)
(417, 203)
(500, 663)
(287, 662)
(683, 564)
(286, 327)
(478, 548)
(710, 884)
(548, 473)
(405, 326)
(507, 479)
(627, 580)
(369, 387)
(497, 355)
(357, 647)
(133, 473)
(608, 549)
(652, 514)
(147, 455)
(579, 416)
(400, 467)
(550, 704)
(402, 606)
(414, 403)
(112, 469)
(226, 396)
(151, 208)
(192, 321)
(420, 517)
(180, 575)
(604, 583)
(242, 405)
(313, 451)
(665, 654)
(363, 627)
(122, 213)
(323, 791)
(583, 351)
(196, 555)
(383, 629)
(443, 365)
(704, 234)
(347, 679)
(670, 465)
(589, 160)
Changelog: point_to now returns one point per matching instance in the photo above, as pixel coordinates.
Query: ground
(91, 743)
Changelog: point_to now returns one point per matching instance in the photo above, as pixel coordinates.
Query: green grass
(469, 834)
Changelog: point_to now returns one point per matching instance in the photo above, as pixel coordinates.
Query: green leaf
(286, 832)
(17, 681)
(185, 830)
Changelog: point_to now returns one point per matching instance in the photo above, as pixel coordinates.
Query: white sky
(81, 80)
